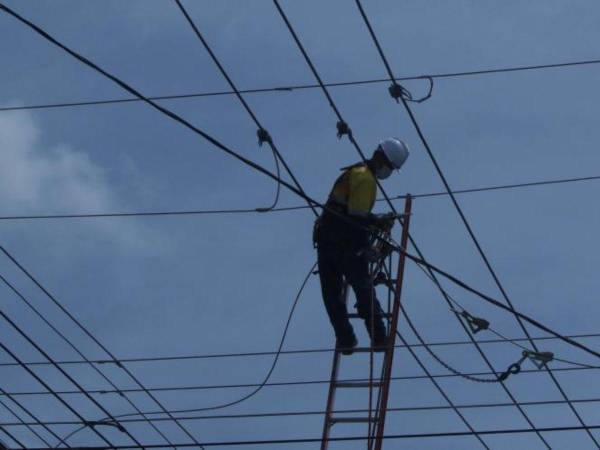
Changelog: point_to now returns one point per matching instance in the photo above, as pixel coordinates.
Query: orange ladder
(376, 422)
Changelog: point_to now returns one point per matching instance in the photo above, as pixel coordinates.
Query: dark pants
(336, 262)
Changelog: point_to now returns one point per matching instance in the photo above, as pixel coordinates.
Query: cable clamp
(540, 359)
(343, 129)
(476, 324)
(398, 92)
(263, 136)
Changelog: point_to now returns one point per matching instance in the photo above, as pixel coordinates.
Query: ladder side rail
(389, 354)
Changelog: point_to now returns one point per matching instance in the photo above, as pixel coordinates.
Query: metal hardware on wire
(539, 359)
(397, 91)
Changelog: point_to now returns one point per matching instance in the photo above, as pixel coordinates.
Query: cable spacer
(476, 324)
(263, 136)
(342, 129)
(540, 359)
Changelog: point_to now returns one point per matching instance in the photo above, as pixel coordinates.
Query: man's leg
(356, 270)
(331, 275)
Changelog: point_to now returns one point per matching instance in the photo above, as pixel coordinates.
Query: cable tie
(263, 136)
(476, 324)
(342, 129)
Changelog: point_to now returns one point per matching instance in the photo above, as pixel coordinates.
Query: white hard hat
(395, 151)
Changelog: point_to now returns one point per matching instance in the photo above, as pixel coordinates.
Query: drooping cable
(263, 134)
(265, 380)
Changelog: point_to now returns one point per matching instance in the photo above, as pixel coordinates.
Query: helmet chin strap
(383, 172)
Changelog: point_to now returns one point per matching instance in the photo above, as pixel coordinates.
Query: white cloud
(36, 179)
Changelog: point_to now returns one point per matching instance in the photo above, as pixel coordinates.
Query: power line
(281, 383)
(33, 416)
(299, 87)
(296, 207)
(360, 438)
(470, 231)
(22, 422)
(46, 386)
(263, 134)
(304, 413)
(158, 107)
(73, 346)
(144, 359)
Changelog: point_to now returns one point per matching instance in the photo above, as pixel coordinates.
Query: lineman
(342, 238)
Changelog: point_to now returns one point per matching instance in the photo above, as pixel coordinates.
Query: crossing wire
(356, 438)
(258, 168)
(292, 88)
(26, 425)
(276, 384)
(363, 157)
(291, 208)
(62, 336)
(304, 413)
(43, 383)
(261, 169)
(87, 332)
(33, 416)
(461, 213)
(262, 132)
(11, 436)
(145, 359)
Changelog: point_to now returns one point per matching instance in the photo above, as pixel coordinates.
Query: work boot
(347, 345)
(380, 343)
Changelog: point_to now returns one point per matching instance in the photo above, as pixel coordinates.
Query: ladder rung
(354, 384)
(356, 316)
(333, 420)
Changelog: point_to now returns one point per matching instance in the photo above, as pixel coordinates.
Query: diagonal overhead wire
(46, 386)
(33, 416)
(466, 223)
(30, 427)
(256, 167)
(299, 87)
(75, 348)
(263, 134)
(388, 200)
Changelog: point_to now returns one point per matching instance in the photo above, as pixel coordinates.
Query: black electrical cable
(74, 347)
(292, 88)
(406, 106)
(254, 391)
(143, 359)
(46, 386)
(282, 383)
(289, 208)
(30, 414)
(279, 414)
(236, 156)
(263, 134)
(360, 438)
(20, 419)
(11, 436)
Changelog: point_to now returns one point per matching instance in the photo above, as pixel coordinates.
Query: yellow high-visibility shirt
(355, 189)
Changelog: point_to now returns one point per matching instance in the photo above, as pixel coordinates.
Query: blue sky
(221, 284)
